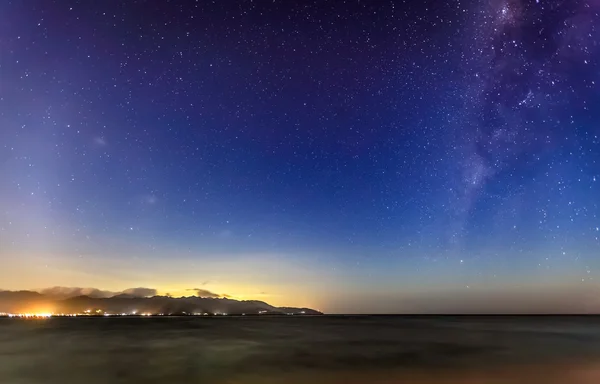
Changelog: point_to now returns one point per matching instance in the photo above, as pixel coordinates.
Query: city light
(133, 313)
(30, 315)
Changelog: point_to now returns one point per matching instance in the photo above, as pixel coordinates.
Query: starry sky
(351, 156)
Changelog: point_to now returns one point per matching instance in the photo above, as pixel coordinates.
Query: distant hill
(29, 301)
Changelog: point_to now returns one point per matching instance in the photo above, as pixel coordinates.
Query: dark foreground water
(303, 350)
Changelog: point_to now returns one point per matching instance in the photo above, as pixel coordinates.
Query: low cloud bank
(66, 292)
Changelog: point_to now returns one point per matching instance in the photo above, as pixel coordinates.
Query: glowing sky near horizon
(348, 156)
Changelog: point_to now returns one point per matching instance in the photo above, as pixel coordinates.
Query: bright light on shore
(30, 315)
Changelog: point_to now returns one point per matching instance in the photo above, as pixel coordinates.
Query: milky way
(528, 72)
(531, 73)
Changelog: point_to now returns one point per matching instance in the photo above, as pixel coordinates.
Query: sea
(289, 349)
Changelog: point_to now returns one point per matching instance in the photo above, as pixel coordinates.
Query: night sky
(350, 156)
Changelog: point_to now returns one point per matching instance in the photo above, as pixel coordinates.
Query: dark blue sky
(347, 155)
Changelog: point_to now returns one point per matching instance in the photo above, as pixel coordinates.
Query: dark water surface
(292, 349)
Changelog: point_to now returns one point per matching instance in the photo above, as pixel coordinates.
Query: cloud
(66, 292)
(76, 291)
(206, 293)
(141, 292)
